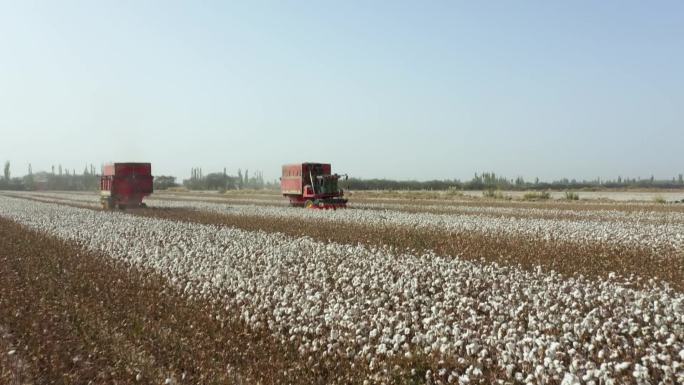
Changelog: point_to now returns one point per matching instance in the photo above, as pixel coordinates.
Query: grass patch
(537, 196)
(659, 199)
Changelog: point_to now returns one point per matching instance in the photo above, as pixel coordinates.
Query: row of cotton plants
(550, 211)
(638, 216)
(630, 233)
(474, 322)
(634, 233)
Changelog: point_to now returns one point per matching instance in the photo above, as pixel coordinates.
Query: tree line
(492, 181)
(62, 178)
(58, 178)
(223, 181)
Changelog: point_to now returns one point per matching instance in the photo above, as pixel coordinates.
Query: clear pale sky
(410, 90)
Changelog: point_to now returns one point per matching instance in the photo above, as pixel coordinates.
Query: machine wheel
(143, 206)
(309, 204)
(121, 206)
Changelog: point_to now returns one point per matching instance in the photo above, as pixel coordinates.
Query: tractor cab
(327, 184)
(320, 181)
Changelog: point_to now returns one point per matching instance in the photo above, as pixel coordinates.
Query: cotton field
(638, 229)
(395, 314)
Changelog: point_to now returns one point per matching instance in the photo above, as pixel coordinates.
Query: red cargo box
(127, 169)
(296, 176)
(291, 181)
(125, 184)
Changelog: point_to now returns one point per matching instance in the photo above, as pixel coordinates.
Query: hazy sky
(381, 89)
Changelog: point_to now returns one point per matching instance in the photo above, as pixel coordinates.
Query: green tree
(7, 171)
(163, 182)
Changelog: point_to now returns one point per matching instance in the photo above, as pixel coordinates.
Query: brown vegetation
(14, 369)
(78, 317)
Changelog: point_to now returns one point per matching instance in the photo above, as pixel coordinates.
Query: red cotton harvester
(124, 185)
(312, 185)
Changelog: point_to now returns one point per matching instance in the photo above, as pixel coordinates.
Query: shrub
(177, 189)
(454, 192)
(494, 194)
(571, 196)
(659, 199)
(534, 196)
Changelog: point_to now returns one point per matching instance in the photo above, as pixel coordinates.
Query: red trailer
(124, 185)
(312, 185)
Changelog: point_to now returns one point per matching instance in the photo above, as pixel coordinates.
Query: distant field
(609, 195)
(622, 196)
